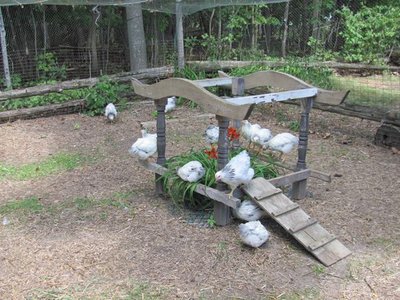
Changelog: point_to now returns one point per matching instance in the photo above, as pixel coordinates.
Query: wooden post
(161, 140)
(3, 42)
(179, 34)
(222, 213)
(237, 90)
(299, 189)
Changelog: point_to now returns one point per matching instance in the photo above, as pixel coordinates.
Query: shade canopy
(167, 6)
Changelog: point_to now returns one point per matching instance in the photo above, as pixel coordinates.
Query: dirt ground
(137, 247)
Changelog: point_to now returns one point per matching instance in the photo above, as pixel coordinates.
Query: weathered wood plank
(293, 219)
(283, 81)
(260, 190)
(213, 82)
(285, 210)
(209, 192)
(42, 111)
(290, 178)
(302, 225)
(190, 90)
(274, 97)
(81, 83)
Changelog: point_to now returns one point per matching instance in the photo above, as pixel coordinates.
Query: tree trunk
(285, 31)
(93, 46)
(3, 40)
(136, 37)
(179, 35)
(315, 18)
(46, 38)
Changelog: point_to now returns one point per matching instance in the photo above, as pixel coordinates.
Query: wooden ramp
(323, 245)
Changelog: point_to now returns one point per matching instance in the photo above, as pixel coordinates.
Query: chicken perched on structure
(260, 137)
(236, 172)
(111, 112)
(248, 130)
(248, 211)
(144, 147)
(192, 171)
(253, 234)
(283, 143)
(171, 104)
(212, 134)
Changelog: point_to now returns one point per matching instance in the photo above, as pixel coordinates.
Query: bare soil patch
(145, 250)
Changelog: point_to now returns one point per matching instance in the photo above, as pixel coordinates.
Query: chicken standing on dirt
(171, 104)
(248, 211)
(253, 234)
(248, 130)
(144, 147)
(283, 143)
(260, 137)
(236, 172)
(192, 171)
(111, 112)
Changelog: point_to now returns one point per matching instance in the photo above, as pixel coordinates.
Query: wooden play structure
(323, 245)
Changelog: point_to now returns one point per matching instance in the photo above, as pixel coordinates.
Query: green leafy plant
(104, 92)
(49, 69)
(370, 33)
(182, 192)
(211, 222)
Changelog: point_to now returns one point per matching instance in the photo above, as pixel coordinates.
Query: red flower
(233, 134)
(212, 153)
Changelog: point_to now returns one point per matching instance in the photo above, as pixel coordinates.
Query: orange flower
(233, 134)
(212, 153)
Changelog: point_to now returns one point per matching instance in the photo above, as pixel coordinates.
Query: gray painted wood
(161, 141)
(222, 213)
(299, 189)
(297, 222)
(238, 89)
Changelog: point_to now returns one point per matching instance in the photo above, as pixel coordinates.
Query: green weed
(27, 205)
(56, 163)
(183, 193)
(318, 269)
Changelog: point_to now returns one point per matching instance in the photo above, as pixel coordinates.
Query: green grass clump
(182, 192)
(56, 163)
(27, 205)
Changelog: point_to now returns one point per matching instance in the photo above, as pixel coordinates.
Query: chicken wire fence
(60, 42)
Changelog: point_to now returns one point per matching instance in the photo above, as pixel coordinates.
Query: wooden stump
(388, 136)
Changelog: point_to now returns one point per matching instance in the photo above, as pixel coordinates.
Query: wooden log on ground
(358, 111)
(42, 111)
(388, 136)
(146, 74)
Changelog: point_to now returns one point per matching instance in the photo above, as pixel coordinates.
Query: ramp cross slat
(323, 245)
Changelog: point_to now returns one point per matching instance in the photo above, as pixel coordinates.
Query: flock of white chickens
(237, 172)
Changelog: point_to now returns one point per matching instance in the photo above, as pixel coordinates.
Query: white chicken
(212, 134)
(283, 143)
(171, 104)
(192, 171)
(248, 130)
(253, 234)
(261, 136)
(248, 211)
(144, 147)
(236, 172)
(111, 112)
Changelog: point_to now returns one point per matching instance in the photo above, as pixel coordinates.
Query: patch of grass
(362, 94)
(144, 291)
(318, 269)
(182, 192)
(308, 293)
(26, 205)
(54, 164)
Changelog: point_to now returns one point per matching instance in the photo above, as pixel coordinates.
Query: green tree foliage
(371, 33)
